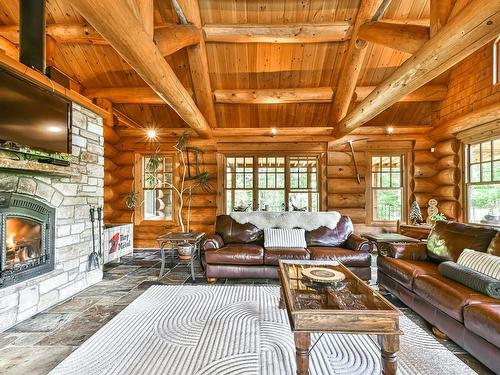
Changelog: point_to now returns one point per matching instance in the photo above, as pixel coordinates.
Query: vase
(185, 250)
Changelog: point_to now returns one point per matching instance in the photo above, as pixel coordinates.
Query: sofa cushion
(324, 236)
(447, 295)
(284, 237)
(484, 320)
(347, 257)
(481, 262)
(233, 232)
(494, 246)
(272, 255)
(236, 254)
(448, 239)
(404, 271)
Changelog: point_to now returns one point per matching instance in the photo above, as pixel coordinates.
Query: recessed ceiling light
(274, 131)
(390, 130)
(151, 133)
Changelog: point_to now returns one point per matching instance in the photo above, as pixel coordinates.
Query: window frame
(467, 175)
(138, 188)
(369, 191)
(222, 175)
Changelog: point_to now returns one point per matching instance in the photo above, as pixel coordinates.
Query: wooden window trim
(221, 183)
(496, 61)
(466, 176)
(138, 183)
(405, 176)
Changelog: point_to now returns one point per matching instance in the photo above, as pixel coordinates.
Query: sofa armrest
(356, 243)
(213, 242)
(407, 250)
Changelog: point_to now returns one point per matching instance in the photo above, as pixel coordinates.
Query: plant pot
(184, 250)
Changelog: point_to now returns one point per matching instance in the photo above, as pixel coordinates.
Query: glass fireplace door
(23, 242)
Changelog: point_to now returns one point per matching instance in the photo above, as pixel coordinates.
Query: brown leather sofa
(469, 318)
(236, 250)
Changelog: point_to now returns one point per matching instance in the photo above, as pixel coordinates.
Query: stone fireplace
(27, 237)
(45, 230)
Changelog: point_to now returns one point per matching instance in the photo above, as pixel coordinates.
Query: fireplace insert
(27, 238)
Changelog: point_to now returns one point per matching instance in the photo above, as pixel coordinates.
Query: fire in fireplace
(26, 238)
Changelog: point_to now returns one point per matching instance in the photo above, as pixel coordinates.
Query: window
(387, 188)
(271, 183)
(156, 187)
(483, 182)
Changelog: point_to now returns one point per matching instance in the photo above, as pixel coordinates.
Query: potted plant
(437, 217)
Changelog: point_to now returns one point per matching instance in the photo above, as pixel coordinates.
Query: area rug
(235, 330)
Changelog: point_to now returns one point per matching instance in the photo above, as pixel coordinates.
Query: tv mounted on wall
(33, 116)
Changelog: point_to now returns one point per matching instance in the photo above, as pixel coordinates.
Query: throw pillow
(283, 237)
(481, 262)
(471, 278)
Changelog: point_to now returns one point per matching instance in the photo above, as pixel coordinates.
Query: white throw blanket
(307, 220)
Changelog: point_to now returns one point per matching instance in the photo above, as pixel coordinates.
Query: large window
(387, 187)
(156, 187)
(271, 183)
(483, 182)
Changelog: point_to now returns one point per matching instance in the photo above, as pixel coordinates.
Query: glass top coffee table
(349, 306)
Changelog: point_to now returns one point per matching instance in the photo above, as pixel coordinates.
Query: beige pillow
(481, 262)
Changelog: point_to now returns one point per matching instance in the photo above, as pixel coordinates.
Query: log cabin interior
(249, 187)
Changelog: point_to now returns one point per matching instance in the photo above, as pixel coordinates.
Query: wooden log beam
(144, 10)
(482, 115)
(440, 11)
(169, 37)
(272, 33)
(428, 93)
(128, 95)
(477, 24)
(198, 62)
(9, 48)
(274, 96)
(402, 37)
(140, 52)
(408, 21)
(352, 63)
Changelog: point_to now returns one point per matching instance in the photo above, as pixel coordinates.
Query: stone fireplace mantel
(33, 167)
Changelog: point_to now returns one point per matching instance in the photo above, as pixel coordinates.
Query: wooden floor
(37, 345)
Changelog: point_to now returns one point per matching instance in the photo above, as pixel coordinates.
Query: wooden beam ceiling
(124, 33)
(9, 48)
(477, 24)
(189, 11)
(440, 11)
(169, 37)
(402, 37)
(352, 63)
(145, 95)
(286, 33)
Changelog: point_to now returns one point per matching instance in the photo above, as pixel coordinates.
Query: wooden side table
(420, 232)
(382, 240)
(175, 238)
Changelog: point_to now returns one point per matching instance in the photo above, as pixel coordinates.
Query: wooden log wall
(121, 171)
(470, 88)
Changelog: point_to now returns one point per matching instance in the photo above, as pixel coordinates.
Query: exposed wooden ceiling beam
(145, 95)
(198, 62)
(169, 37)
(272, 33)
(402, 37)
(482, 115)
(477, 24)
(124, 33)
(9, 48)
(125, 120)
(144, 10)
(440, 11)
(275, 96)
(353, 61)
(428, 93)
(408, 21)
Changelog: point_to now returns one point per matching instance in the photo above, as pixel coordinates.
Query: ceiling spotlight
(151, 133)
(390, 130)
(54, 129)
(274, 131)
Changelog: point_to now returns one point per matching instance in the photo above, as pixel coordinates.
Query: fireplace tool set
(94, 256)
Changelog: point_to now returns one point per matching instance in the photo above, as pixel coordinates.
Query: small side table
(381, 240)
(175, 238)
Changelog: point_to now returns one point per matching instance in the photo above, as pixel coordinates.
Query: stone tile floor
(38, 344)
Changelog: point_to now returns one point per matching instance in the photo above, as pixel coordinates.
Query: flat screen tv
(32, 116)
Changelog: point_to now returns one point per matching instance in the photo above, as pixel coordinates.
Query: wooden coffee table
(350, 308)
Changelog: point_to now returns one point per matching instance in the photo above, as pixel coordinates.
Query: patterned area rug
(222, 330)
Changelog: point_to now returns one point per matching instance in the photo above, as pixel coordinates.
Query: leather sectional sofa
(469, 318)
(236, 250)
